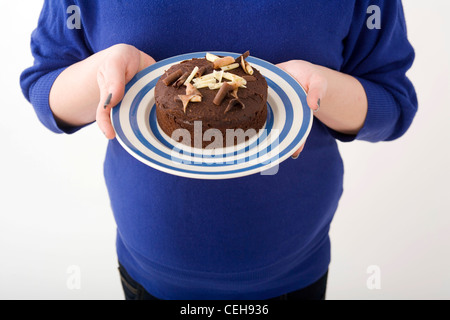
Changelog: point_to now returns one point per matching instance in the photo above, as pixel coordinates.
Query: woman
(257, 237)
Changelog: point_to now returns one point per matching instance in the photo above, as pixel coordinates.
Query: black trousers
(134, 291)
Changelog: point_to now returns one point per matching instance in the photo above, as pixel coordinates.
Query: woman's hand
(120, 65)
(87, 90)
(340, 97)
(312, 79)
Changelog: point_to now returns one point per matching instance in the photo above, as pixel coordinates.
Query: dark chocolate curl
(222, 93)
(200, 71)
(172, 77)
(244, 55)
(181, 80)
(233, 103)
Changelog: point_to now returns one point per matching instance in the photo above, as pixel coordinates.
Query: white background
(394, 214)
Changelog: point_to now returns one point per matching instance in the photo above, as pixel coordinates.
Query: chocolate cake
(221, 92)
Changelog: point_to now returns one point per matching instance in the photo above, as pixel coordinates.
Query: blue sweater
(247, 238)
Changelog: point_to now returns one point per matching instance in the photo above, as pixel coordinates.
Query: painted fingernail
(108, 100)
(318, 106)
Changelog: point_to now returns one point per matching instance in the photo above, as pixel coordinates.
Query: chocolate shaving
(200, 72)
(223, 62)
(185, 99)
(181, 80)
(246, 66)
(234, 93)
(191, 90)
(222, 93)
(244, 55)
(172, 77)
(233, 103)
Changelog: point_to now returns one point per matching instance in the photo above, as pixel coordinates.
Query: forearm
(343, 108)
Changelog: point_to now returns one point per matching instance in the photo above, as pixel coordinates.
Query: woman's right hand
(121, 63)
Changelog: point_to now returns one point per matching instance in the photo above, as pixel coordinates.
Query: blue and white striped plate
(288, 124)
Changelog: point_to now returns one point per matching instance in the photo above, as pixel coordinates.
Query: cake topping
(191, 76)
(192, 95)
(211, 57)
(233, 103)
(241, 104)
(181, 80)
(230, 67)
(185, 99)
(218, 75)
(235, 78)
(221, 62)
(200, 72)
(172, 77)
(213, 80)
(191, 90)
(222, 93)
(246, 66)
(244, 55)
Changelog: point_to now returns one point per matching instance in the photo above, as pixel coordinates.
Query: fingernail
(108, 100)
(295, 157)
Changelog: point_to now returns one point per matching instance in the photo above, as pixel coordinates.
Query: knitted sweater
(253, 237)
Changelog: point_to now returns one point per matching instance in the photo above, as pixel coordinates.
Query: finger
(284, 66)
(104, 119)
(112, 78)
(111, 82)
(297, 153)
(317, 88)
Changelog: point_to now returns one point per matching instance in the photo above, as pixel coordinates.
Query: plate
(288, 124)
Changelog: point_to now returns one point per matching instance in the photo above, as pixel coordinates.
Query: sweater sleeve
(54, 47)
(379, 58)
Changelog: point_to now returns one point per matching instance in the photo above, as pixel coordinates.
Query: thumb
(297, 153)
(145, 61)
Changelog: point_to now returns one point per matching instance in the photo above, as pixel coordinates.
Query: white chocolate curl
(246, 66)
(215, 86)
(205, 83)
(235, 78)
(218, 75)
(208, 76)
(191, 76)
(211, 57)
(230, 67)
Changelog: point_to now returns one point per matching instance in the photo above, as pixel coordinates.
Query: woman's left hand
(312, 79)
